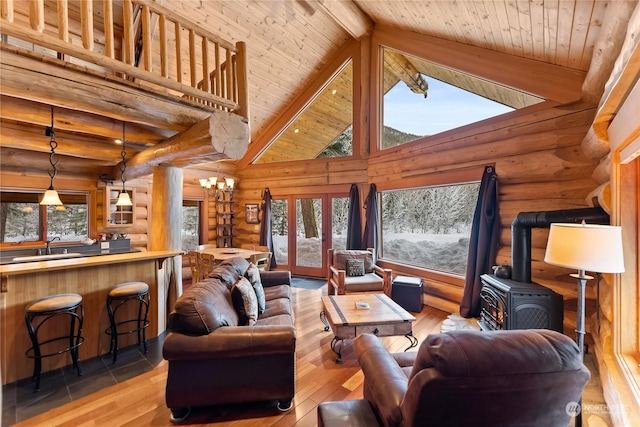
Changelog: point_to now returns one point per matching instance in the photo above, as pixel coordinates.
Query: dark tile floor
(61, 386)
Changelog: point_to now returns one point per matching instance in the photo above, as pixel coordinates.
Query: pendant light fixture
(50, 197)
(123, 197)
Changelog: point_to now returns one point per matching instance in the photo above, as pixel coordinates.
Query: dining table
(221, 254)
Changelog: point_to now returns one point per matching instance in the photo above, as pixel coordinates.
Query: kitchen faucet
(49, 244)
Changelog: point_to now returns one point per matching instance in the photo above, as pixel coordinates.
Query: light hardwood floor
(140, 401)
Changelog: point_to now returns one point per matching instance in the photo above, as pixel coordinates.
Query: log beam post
(220, 136)
(166, 233)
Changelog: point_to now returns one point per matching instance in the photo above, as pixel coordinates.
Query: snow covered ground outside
(444, 252)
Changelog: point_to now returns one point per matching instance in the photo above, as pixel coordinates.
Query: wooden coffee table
(383, 318)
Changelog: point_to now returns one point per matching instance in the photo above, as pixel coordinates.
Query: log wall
(537, 156)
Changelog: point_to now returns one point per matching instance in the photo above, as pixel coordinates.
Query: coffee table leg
(334, 346)
(323, 319)
(413, 340)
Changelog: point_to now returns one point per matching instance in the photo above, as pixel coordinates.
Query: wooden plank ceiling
(288, 42)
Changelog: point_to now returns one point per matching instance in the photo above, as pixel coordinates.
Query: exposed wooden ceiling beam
(404, 70)
(34, 138)
(607, 48)
(25, 161)
(348, 15)
(221, 136)
(35, 113)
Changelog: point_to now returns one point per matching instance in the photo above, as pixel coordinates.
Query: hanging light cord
(123, 165)
(53, 144)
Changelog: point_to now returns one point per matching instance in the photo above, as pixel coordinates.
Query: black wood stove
(507, 304)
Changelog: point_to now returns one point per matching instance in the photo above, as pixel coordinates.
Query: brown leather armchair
(374, 279)
(473, 378)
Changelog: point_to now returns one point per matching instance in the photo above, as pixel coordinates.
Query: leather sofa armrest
(385, 384)
(273, 278)
(231, 341)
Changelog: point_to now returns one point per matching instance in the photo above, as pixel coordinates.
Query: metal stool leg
(37, 356)
(144, 321)
(141, 321)
(75, 340)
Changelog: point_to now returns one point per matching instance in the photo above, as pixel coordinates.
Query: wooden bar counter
(91, 277)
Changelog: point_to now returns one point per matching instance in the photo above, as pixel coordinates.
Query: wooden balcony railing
(143, 41)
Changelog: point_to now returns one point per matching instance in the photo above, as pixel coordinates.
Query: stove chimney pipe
(521, 234)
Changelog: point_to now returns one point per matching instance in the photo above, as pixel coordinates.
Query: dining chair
(194, 263)
(207, 263)
(262, 260)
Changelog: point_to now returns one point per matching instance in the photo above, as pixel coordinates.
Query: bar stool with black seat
(40, 312)
(118, 296)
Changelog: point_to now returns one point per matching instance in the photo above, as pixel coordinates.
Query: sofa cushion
(203, 308)
(253, 274)
(278, 291)
(279, 320)
(276, 307)
(245, 302)
(340, 258)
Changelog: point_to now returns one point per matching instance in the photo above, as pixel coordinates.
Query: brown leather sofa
(213, 360)
(466, 378)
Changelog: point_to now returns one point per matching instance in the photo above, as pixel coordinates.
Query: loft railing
(143, 41)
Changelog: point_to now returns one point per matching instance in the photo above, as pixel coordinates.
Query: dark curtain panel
(370, 238)
(266, 225)
(354, 225)
(483, 244)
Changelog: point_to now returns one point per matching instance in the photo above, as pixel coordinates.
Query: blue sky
(446, 107)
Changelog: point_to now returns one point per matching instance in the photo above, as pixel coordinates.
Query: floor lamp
(585, 247)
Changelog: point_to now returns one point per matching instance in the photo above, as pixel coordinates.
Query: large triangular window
(422, 99)
(323, 128)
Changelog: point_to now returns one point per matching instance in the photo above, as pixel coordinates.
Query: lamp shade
(51, 198)
(124, 199)
(588, 247)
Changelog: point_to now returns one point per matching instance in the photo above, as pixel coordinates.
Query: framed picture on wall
(251, 213)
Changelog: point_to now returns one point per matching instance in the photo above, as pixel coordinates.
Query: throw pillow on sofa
(253, 274)
(245, 302)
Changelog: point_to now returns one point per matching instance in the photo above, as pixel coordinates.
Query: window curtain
(370, 238)
(354, 223)
(483, 244)
(266, 226)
